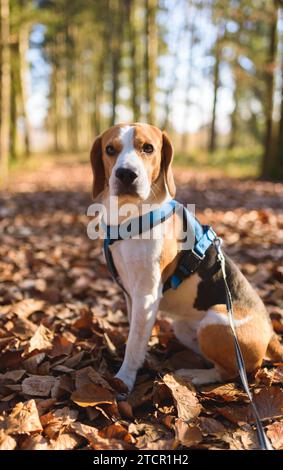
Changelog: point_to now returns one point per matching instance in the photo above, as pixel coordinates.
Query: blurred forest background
(208, 71)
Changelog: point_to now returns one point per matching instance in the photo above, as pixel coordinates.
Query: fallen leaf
(65, 441)
(13, 375)
(31, 363)
(162, 444)
(56, 421)
(146, 433)
(38, 385)
(35, 442)
(141, 394)
(88, 375)
(7, 442)
(275, 434)
(270, 376)
(61, 346)
(24, 419)
(41, 340)
(44, 405)
(22, 328)
(210, 426)
(96, 441)
(241, 439)
(26, 307)
(235, 414)
(227, 392)
(116, 431)
(269, 402)
(74, 360)
(185, 399)
(188, 435)
(92, 395)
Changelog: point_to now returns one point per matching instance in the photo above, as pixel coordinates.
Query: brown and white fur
(197, 307)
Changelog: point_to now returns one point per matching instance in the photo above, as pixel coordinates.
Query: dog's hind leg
(200, 376)
(216, 340)
(186, 335)
(275, 348)
(217, 345)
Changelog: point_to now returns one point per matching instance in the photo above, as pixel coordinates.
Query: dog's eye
(147, 148)
(110, 150)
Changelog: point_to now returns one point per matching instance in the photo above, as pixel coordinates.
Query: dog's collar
(190, 259)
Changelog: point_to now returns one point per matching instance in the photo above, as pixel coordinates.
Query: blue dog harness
(190, 259)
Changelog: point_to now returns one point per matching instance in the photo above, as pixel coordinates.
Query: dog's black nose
(125, 175)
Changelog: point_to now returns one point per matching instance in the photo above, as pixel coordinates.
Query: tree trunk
(276, 168)
(150, 59)
(24, 82)
(5, 90)
(71, 38)
(280, 136)
(270, 80)
(116, 9)
(55, 107)
(191, 27)
(13, 116)
(275, 165)
(54, 114)
(234, 116)
(98, 97)
(133, 54)
(212, 143)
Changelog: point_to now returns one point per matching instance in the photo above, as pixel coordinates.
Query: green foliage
(237, 162)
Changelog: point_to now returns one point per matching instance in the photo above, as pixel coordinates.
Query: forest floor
(63, 325)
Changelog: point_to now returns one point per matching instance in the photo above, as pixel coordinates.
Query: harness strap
(191, 259)
(262, 438)
(111, 265)
(138, 225)
(133, 228)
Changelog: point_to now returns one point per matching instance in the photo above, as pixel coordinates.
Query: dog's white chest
(138, 264)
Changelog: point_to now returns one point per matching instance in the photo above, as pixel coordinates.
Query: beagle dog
(134, 163)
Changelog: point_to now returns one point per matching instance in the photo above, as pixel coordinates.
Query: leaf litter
(63, 326)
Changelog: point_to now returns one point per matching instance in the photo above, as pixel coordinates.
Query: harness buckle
(189, 263)
(199, 257)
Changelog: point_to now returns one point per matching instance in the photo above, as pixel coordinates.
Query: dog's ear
(167, 158)
(97, 168)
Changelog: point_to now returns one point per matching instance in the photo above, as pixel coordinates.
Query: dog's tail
(275, 348)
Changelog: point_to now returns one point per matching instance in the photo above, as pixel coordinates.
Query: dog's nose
(125, 175)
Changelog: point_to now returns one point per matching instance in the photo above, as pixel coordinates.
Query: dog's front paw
(127, 378)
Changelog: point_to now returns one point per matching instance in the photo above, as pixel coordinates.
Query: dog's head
(133, 161)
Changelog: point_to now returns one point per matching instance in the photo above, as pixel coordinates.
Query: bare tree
(150, 58)
(216, 83)
(24, 80)
(131, 5)
(270, 81)
(5, 90)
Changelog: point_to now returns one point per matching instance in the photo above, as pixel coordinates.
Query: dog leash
(262, 438)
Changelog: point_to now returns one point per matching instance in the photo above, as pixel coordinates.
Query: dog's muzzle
(127, 180)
